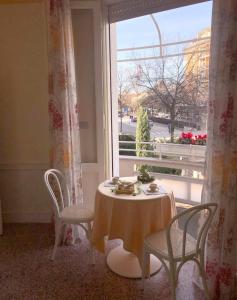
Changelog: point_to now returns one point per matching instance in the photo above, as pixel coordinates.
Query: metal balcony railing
(185, 155)
(188, 158)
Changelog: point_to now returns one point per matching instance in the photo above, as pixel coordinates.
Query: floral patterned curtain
(221, 181)
(63, 105)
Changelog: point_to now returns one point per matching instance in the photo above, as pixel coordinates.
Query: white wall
(24, 136)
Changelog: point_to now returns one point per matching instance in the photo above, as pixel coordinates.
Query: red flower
(57, 120)
(190, 135)
(51, 106)
(225, 274)
(227, 115)
(56, 116)
(211, 268)
(189, 138)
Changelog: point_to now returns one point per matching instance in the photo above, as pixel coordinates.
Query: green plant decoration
(144, 176)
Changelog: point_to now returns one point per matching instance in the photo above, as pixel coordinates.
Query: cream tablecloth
(130, 218)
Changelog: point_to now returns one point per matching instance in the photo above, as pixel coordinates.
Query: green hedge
(130, 138)
(164, 170)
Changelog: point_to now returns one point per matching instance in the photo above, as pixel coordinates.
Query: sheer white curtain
(63, 103)
(221, 168)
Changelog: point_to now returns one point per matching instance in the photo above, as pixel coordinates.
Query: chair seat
(75, 214)
(158, 242)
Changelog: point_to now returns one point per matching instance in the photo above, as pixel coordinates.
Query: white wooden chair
(70, 214)
(174, 246)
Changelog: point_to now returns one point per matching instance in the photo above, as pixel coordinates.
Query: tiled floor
(26, 273)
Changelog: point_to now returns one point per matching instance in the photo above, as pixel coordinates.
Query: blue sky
(176, 24)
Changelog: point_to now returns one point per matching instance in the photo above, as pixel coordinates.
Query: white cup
(115, 179)
(153, 187)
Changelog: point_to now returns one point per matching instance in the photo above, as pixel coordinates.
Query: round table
(129, 218)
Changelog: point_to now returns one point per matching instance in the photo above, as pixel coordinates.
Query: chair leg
(172, 278)
(89, 235)
(58, 227)
(201, 266)
(172, 287)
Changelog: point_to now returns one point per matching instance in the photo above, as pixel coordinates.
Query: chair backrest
(58, 189)
(205, 214)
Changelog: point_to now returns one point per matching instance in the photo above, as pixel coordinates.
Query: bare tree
(123, 93)
(172, 83)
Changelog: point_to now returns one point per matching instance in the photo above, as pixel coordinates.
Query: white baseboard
(28, 217)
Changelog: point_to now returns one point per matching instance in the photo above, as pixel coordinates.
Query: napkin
(109, 183)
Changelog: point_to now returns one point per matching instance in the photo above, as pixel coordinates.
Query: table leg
(126, 264)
